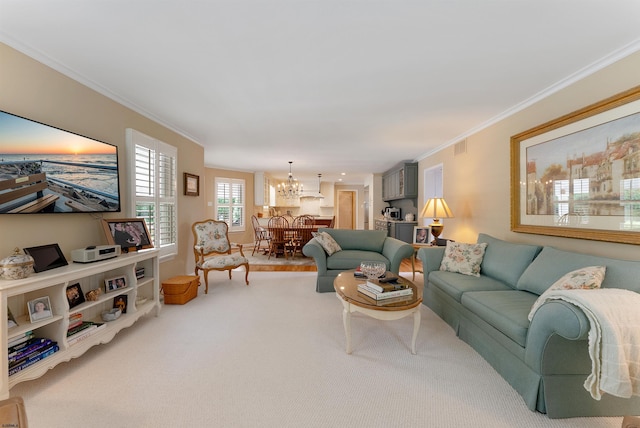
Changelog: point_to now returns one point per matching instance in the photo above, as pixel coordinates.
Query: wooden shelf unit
(15, 294)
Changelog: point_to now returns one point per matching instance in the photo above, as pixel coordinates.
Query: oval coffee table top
(346, 285)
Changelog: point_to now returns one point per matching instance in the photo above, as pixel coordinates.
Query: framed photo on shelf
(421, 235)
(75, 295)
(115, 283)
(131, 234)
(46, 257)
(11, 321)
(191, 184)
(39, 309)
(120, 302)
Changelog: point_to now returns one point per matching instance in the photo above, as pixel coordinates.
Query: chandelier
(291, 189)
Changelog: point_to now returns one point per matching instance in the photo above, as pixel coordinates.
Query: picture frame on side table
(577, 176)
(421, 235)
(191, 184)
(115, 283)
(39, 309)
(131, 234)
(75, 295)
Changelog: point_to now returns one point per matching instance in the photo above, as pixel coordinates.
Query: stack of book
(26, 350)
(82, 331)
(382, 291)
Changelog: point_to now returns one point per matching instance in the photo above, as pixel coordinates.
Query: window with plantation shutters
(154, 188)
(230, 202)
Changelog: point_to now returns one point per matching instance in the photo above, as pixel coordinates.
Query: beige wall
(477, 183)
(245, 237)
(33, 90)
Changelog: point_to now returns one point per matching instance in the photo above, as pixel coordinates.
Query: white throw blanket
(614, 338)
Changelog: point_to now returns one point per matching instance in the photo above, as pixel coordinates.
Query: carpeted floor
(272, 355)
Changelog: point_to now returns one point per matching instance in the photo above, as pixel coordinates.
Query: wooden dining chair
(302, 227)
(260, 235)
(280, 242)
(213, 251)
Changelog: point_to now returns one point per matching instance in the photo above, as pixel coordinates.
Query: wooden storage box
(180, 289)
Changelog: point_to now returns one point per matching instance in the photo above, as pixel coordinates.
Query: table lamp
(436, 208)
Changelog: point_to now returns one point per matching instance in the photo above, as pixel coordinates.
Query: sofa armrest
(315, 250)
(395, 251)
(431, 258)
(553, 318)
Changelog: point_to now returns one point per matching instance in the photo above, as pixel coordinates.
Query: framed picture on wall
(191, 184)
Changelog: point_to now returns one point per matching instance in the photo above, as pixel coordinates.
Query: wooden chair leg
(206, 282)
(246, 275)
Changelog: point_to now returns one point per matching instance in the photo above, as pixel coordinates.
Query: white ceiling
(333, 85)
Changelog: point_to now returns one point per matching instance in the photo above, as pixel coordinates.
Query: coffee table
(346, 286)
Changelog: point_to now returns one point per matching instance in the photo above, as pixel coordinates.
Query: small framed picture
(120, 302)
(11, 321)
(75, 295)
(39, 309)
(191, 184)
(421, 235)
(114, 284)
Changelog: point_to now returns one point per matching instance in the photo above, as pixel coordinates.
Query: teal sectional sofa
(546, 360)
(356, 246)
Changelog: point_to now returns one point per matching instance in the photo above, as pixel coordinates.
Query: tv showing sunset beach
(44, 169)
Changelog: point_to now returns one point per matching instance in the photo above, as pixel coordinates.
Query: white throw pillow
(328, 243)
(586, 278)
(463, 258)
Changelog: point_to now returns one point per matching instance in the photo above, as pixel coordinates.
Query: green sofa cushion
(455, 284)
(366, 240)
(505, 310)
(506, 261)
(552, 264)
(351, 259)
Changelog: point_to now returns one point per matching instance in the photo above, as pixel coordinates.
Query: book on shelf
(378, 295)
(78, 337)
(77, 329)
(31, 347)
(40, 355)
(20, 338)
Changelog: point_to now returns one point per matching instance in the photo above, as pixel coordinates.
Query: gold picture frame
(191, 184)
(578, 176)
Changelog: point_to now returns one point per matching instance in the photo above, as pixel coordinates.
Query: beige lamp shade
(436, 208)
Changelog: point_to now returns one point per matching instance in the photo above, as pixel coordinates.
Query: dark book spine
(27, 352)
(41, 355)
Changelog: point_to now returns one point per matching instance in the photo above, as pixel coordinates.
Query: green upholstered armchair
(356, 246)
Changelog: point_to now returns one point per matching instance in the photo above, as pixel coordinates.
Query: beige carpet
(265, 260)
(272, 355)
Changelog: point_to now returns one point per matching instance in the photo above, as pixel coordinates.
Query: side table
(416, 247)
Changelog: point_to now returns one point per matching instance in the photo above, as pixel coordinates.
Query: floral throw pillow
(463, 258)
(586, 278)
(328, 243)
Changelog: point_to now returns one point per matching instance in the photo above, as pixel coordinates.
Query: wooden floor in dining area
(405, 266)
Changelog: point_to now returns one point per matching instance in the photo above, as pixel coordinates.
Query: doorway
(346, 209)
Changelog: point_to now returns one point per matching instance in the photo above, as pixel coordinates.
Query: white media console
(143, 297)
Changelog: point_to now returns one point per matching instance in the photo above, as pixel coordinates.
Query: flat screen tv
(44, 169)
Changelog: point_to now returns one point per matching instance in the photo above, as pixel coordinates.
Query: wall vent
(460, 147)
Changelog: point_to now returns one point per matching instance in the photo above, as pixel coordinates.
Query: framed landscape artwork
(191, 184)
(579, 175)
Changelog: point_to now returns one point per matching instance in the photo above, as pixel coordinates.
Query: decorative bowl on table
(373, 270)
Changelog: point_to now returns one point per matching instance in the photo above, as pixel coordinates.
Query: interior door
(346, 209)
